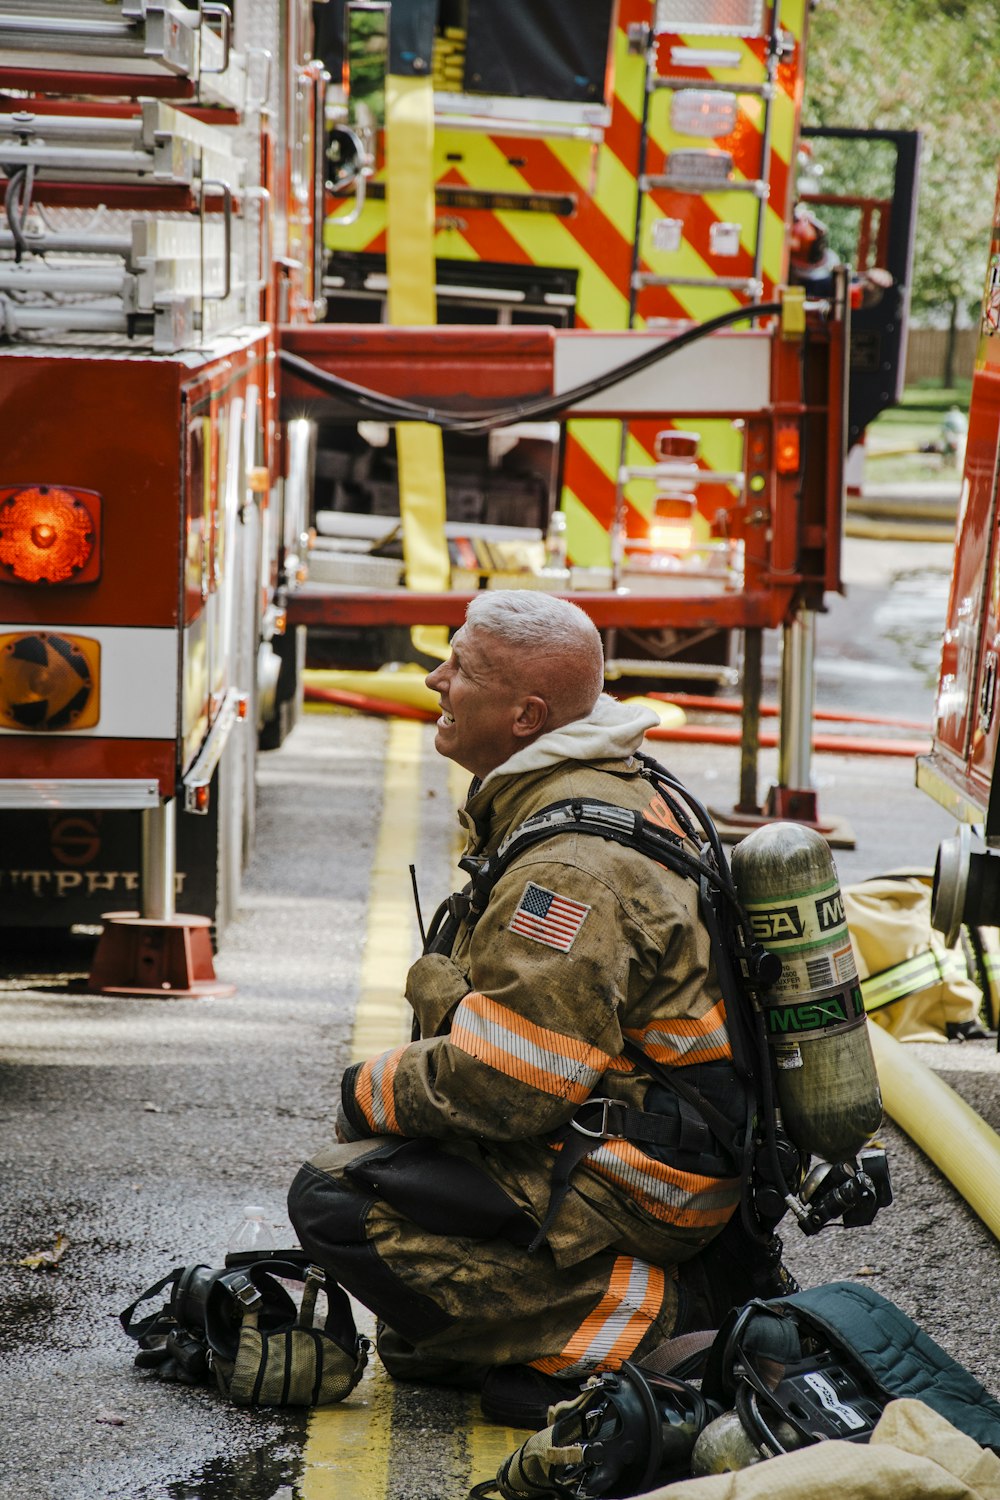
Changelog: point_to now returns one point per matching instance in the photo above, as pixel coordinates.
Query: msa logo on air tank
(777, 923)
(785, 923)
(830, 912)
(813, 1015)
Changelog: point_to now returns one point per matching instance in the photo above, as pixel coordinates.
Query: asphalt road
(138, 1129)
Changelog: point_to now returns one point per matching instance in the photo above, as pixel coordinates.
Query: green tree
(926, 65)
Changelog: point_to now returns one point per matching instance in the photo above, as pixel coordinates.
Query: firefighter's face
(486, 712)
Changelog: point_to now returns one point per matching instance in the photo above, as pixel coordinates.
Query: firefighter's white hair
(550, 631)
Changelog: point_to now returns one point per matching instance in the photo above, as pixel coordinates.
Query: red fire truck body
(162, 366)
(169, 662)
(151, 505)
(961, 771)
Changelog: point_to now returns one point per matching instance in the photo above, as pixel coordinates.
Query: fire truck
(568, 249)
(164, 176)
(960, 772)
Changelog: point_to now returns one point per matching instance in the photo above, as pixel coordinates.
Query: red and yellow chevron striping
(639, 231)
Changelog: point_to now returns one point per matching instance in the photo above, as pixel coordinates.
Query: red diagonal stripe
(589, 225)
(591, 485)
(484, 232)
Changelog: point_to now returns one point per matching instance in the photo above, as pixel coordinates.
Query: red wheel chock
(150, 956)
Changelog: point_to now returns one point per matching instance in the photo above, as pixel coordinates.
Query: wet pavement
(138, 1129)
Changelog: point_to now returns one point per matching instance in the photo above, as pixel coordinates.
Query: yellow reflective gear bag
(914, 986)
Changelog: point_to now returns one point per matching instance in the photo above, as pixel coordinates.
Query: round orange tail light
(49, 535)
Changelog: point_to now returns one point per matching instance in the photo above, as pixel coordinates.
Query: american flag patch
(548, 918)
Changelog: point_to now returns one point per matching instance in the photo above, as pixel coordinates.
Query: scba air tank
(814, 1015)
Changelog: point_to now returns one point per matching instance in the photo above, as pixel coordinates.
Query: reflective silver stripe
(618, 819)
(382, 1076)
(615, 1324)
(536, 1058)
(910, 976)
(94, 795)
(658, 1183)
(666, 1045)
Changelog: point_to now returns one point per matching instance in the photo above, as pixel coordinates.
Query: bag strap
(158, 1322)
(289, 1265)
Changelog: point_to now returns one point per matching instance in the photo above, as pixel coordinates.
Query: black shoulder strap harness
(699, 1127)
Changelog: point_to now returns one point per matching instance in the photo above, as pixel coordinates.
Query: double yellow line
(356, 1449)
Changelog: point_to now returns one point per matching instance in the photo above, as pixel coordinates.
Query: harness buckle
(243, 1291)
(603, 1133)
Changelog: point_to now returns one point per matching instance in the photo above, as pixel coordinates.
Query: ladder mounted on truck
(168, 281)
(155, 48)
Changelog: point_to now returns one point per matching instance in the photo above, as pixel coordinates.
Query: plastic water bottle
(555, 541)
(253, 1233)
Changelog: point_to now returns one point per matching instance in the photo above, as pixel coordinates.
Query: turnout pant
(431, 1244)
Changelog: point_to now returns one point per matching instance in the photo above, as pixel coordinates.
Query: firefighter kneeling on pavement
(441, 1208)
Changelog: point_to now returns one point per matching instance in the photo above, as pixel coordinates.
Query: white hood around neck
(611, 731)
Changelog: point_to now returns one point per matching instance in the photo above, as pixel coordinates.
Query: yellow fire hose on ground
(957, 1140)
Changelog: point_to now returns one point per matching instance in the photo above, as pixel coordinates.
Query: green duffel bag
(824, 1363)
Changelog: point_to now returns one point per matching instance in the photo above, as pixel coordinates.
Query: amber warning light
(49, 681)
(49, 534)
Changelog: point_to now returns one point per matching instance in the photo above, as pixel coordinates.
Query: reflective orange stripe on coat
(681, 1040)
(685, 1199)
(373, 1091)
(619, 1322)
(546, 1060)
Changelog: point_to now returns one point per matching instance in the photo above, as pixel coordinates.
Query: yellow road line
(381, 1020)
(348, 1447)
(489, 1444)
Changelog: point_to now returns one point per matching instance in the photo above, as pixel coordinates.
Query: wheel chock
(170, 957)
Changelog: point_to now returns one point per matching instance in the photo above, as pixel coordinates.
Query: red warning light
(49, 534)
(787, 446)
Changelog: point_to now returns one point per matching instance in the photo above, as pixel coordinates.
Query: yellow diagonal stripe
(360, 234)
(544, 238)
(590, 544)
